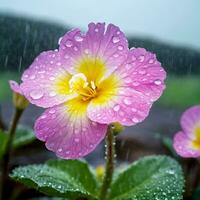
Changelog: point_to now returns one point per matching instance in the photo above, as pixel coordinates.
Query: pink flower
(187, 142)
(92, 80)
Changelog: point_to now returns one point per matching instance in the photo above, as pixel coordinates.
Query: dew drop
(78, 38)
(120, 47)
(68, 43)
(36, 94)
(41, 72)
(141, 58)
(75, 48)
(127, 101)
(115, 39)
(52, 94)
(116, 108)
(86, 51)
(157, 82)
(151, 61)
(96, 30)
(135, 120)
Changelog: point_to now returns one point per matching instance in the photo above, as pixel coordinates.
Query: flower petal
(15, 87)
(108, 45)
(45, 83)
(143, 73)
(128, 108)
(183, 146)
(189, 120)
(68, 131)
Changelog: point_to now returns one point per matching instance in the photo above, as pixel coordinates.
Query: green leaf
(60, 178)
(3, 140)
(23, 136)
(150, 178)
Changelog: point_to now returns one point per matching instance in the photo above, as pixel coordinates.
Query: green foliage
(61, 178)
(150, 178)
(181, 92)
(23, 136)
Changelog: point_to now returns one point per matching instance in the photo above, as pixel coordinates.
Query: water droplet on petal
(157, 82)
(115, 39)
(120, 47)
(52, 94)
(141, 58)
(36, 94)
(68, 43)
(116, 108)
(78, 38)
(41, 72)
(86, 51)
(151, 61)
(96, 30)
(127, 101)
(75, 48)
(135, 120)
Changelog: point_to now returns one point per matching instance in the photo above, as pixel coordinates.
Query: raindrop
(151, 61)
(68, 43)
(127, 101)
(36, 94)
(141, 58)
(120, 47)
(86, 51)
(78, 38)
(96, 30)
(115, 39)
(135, 120)
(157, 82)
(116, 108)
(52, 94)
(75, 48)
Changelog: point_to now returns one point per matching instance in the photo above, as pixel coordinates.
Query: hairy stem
(110, 161)
(8, 150)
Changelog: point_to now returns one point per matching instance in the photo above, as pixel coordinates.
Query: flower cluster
(92, 80)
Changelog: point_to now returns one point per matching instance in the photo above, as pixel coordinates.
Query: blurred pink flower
(187, 142)
(92, 80)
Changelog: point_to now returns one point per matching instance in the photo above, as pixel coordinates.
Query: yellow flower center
(79, 84)
(196, 141)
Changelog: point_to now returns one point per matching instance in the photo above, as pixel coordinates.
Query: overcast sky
(177, 21)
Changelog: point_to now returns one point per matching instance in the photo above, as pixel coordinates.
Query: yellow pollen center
(79, 84)
(196, 141)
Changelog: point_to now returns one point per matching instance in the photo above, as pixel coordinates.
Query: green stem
(8, 151)
(110, 161)
(2, 125)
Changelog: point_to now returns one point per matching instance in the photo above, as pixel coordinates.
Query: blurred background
(171, 29)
